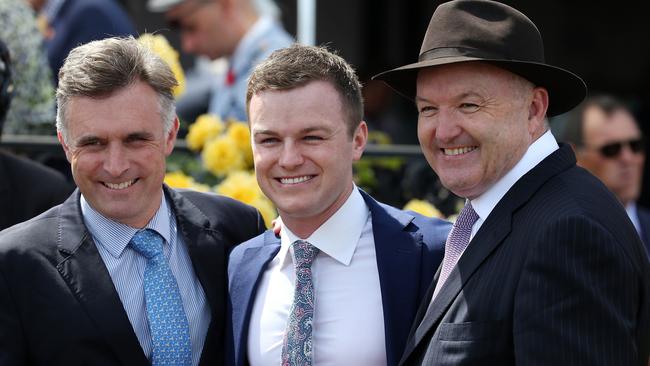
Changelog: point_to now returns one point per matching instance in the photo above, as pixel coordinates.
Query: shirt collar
(338, 236)
(537, 151)
(242, 55)
(630, 208)
(115, 236)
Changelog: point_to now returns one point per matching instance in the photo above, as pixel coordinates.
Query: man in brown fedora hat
(543, 265)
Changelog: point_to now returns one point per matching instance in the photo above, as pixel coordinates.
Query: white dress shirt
(537, 151)
(348, 324)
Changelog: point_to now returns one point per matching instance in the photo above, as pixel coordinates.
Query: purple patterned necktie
(297, 345)
(457, 241)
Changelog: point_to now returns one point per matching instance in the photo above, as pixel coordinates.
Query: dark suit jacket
(644, 220)
(58, 305)
(556, 275)
(27, 189)
(409, 248)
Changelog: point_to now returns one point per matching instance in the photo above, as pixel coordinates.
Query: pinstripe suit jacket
(556, 275)
(58, 305)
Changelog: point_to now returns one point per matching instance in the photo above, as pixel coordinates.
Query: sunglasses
(614, 149)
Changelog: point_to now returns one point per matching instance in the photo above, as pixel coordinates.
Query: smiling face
(117, 148)
(475, 123)
(303, 152)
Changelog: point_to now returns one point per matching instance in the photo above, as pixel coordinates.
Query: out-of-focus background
(602, 41)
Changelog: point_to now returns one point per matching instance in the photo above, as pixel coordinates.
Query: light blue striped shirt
(126, 268)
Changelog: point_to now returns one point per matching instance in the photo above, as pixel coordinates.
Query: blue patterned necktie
(457, 241)
(170, 333)
(297, 342)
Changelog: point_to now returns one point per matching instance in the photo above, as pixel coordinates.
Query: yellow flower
(178, 180)
(241, 135)
(221, 156)
(159, 45)
(241, 186)
(205, 127)
(266, 208)
(423, 207)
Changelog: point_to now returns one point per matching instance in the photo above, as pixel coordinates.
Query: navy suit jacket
(556, 275)
(58, 304)
(81, 21)
(409, 249)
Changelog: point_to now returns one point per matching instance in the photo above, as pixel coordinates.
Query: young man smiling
(371, 262)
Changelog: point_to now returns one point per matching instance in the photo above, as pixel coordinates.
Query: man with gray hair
(126, 271)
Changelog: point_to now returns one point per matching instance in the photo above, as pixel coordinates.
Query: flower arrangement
(222, 162)
(161, 47)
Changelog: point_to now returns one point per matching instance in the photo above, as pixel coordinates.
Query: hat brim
(566, 90)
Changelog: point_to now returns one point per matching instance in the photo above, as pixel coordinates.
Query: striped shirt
(126, 268)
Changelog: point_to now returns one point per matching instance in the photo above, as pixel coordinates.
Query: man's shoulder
(385, 211)
(258, 241)
(36, 233)
(212, 203)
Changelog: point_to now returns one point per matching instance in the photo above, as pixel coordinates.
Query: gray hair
(297, 65)
(99, 68)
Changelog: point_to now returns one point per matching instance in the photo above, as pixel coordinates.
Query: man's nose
(290, 156)
(116, 161)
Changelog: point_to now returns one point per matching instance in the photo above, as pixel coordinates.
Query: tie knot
(304, 253)
(467, 217)
(148, 243)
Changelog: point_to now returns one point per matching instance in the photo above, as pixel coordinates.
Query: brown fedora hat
(483, 30)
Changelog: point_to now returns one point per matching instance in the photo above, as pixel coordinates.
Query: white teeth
(119, 185)
(296, 179)
(459, 150)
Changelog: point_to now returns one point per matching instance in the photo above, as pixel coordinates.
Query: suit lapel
(398, 262)
(491, 234)
(83, 269)
(244, 281)
(208, 257)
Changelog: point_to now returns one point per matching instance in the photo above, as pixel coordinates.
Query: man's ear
(359, 140)
(66, 148)
(170, 140)
(537, 109)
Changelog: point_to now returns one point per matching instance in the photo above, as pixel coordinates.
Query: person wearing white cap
(244, 32)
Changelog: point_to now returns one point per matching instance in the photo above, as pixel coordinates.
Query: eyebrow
(304, 130)
(458, 97)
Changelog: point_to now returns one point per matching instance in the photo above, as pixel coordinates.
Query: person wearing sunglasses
(608, 142)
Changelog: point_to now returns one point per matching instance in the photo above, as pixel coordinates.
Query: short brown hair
(297, 65)
(99, 68)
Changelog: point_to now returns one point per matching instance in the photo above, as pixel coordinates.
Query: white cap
(159, 6)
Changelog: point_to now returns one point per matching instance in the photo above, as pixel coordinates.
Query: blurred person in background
(32, 108)
(70, 23)
(608, 142)
(242, 32)
(26, 187)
